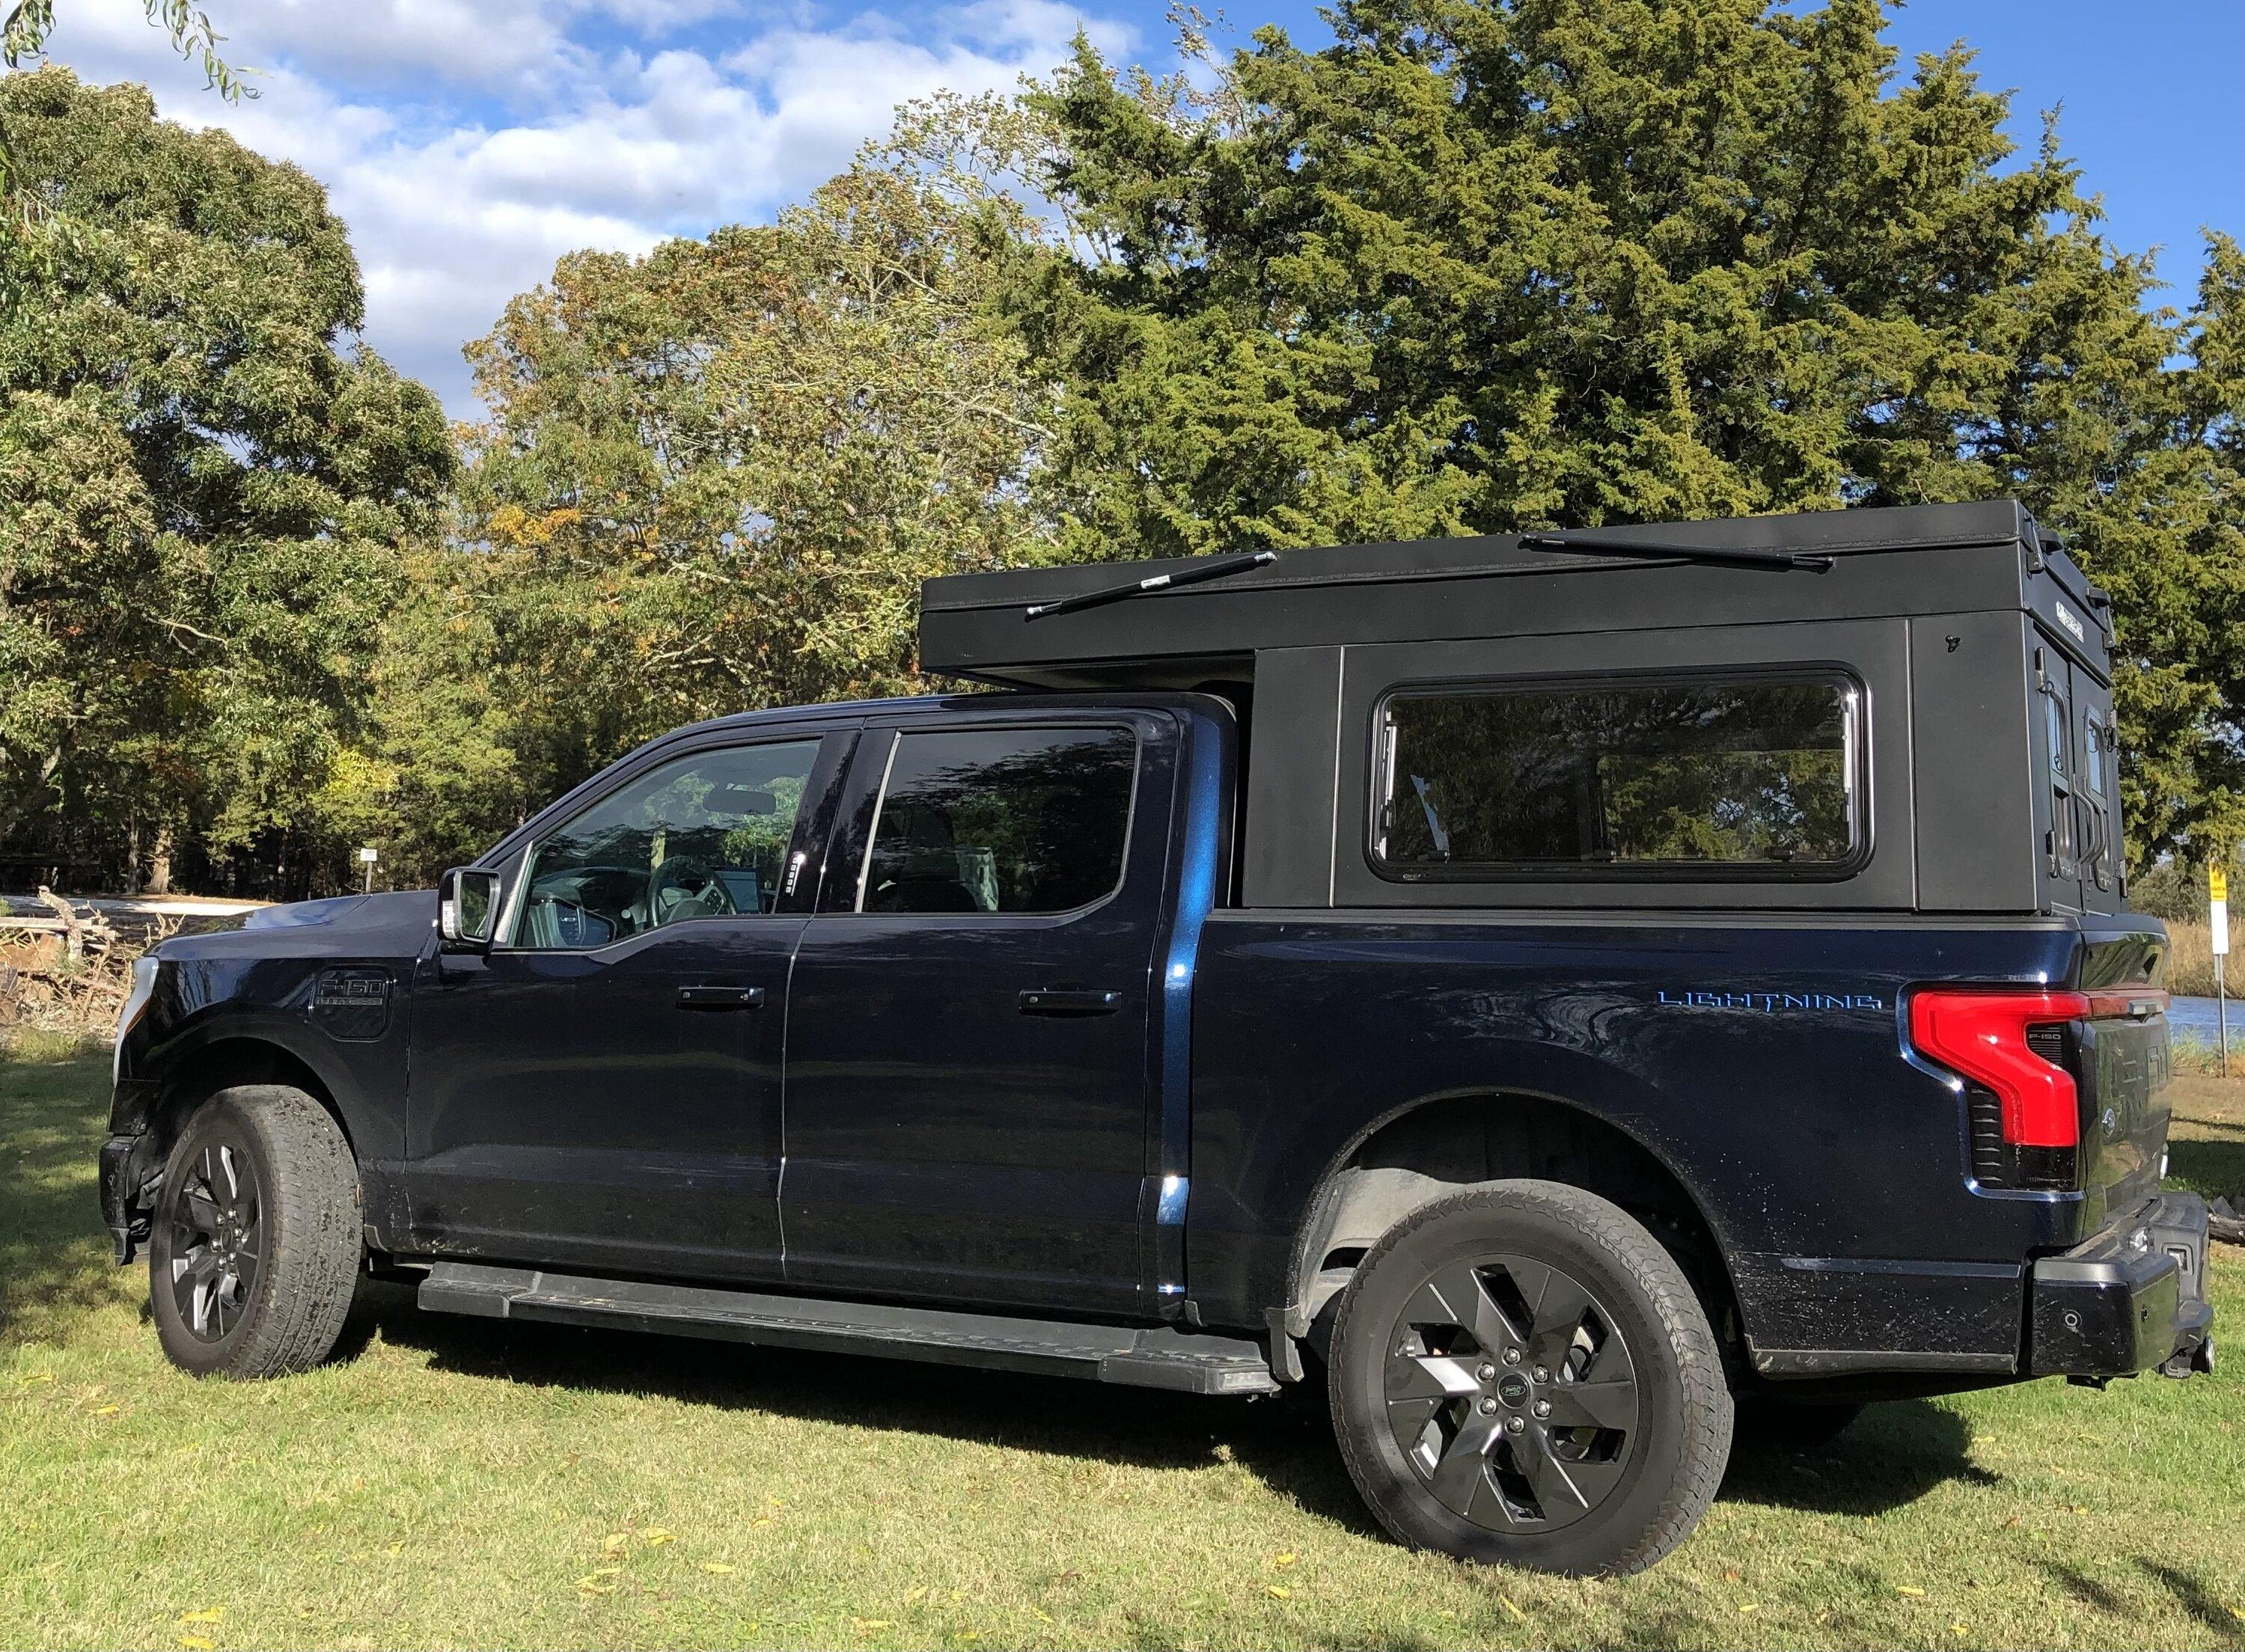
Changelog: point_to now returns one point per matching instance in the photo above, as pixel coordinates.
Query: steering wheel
(682, 879)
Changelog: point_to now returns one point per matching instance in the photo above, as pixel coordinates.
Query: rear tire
(254, 1245)
(1522, 1375)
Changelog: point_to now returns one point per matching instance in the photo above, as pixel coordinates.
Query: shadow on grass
(2197, 1599)
(1893, 1455)
(2194, 1597)
(55, 1259)
(1284, 1441)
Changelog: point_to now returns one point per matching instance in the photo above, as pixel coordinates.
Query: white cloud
(469, 143)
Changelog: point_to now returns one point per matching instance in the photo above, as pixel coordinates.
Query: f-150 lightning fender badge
(1770, 1001)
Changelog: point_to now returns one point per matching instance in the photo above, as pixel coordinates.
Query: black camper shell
(1977, 658)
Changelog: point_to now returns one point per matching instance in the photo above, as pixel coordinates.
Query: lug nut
(1487, 1373)
(1488, 1404)
(1542, 1408)
(1512, 1356)
(1515, 1423)
(1541, 1375)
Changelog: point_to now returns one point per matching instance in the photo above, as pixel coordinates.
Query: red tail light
(1980, 1033)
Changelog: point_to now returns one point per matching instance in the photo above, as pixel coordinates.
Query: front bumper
(2130, 1299)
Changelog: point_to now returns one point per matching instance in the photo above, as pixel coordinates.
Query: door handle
(721, 997)
(1070, 1001)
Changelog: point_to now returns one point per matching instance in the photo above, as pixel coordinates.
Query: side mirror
(467, 910)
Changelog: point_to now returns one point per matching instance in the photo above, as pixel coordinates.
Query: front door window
(705, 836)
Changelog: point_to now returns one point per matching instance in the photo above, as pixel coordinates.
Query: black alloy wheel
(218, 1235)
(1512, 1394)
(1521, 1374)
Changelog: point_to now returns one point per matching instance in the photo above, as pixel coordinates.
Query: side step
(1163, 1358)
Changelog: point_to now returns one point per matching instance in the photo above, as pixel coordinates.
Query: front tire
(1523, 1376)
(254, 1245)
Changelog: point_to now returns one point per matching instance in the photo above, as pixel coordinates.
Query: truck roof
(1906, 560)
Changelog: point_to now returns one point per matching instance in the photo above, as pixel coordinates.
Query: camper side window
(1748, 774)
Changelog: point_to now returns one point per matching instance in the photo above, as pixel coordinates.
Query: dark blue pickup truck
(1554, 994)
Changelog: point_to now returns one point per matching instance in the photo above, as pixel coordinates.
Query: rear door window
(1001, 820)
(1755, 775)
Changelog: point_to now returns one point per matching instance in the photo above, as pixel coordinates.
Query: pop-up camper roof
(1912, 560)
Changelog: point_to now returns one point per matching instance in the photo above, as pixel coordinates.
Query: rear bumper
(2130, 1299)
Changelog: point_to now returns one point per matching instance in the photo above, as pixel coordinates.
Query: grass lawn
(458, 1482)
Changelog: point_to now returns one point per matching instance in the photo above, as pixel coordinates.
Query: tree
(1483, 265)
(206, 484)
(714, 477)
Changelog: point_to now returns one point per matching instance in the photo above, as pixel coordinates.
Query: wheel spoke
(1466, 1294)
(200, 1211)
(1560, 1305)
(1604, 1403)
(1461, 1478)
(1428, 1377)
(1563, 1489)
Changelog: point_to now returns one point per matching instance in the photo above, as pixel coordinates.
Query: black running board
(1161, 1358)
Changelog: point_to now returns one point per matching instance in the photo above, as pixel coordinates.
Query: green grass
(456, 1482)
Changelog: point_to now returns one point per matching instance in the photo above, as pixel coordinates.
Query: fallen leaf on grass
(614, 1543)
(758, 1525)
(1505, 1600)
(1282, 1561)
(722, 1568)
(1910, 1589)
(37, 1376)
(107, 1411)
(396, 1549)
(915, 1593)
(1958, 1629)
(1749, 1605)
(2010, 1523)
(866, 1626)
(599, 1583)
(1731, 1576)
(209, 1615)
(658, 1535)
(1276, 1593)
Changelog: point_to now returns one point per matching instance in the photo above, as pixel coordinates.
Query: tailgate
(2124, 1072)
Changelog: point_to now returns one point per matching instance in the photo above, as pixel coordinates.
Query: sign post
(367, 859)
(2217, 892)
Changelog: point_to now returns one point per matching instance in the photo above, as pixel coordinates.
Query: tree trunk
(15, 810)
(159, 863)
(131, 884)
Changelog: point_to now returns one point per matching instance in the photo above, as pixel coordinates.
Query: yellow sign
(2217, 883)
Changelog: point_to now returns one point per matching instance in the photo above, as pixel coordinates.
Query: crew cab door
(601, 1091)
(967, 1100)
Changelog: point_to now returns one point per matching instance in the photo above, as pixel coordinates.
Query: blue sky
(469, 143)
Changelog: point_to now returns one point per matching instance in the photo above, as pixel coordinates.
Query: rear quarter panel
(1759, 1057)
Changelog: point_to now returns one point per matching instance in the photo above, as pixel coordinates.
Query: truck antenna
(1216, 568)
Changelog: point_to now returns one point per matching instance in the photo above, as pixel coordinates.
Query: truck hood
(358, 926)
